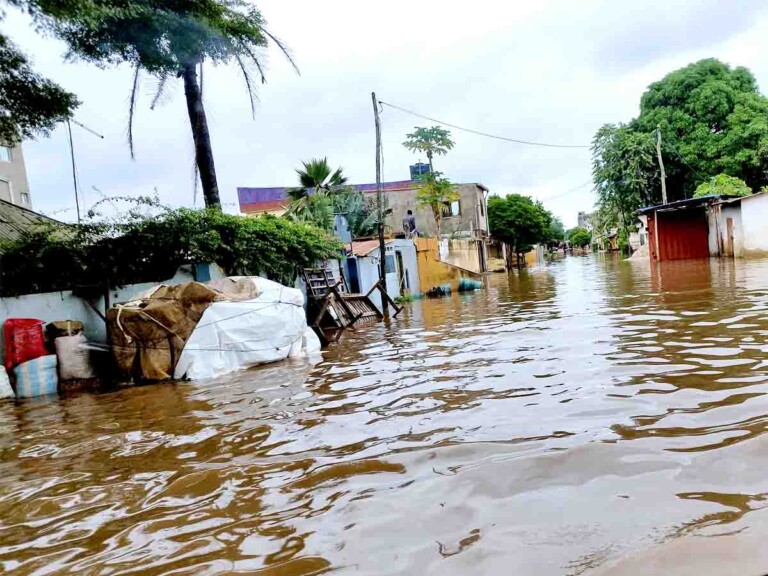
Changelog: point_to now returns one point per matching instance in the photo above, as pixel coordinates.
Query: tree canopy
(518, 221)
(431, 141)
(56, 257)
(30, 105)
(435, 192)
(168, 39)
(316, 175)
(622, 169)
(322, 192)
(556, 232)
(579, 237)
(713, 120)
(723, 185)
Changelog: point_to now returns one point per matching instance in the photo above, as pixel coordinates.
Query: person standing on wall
(409, 225)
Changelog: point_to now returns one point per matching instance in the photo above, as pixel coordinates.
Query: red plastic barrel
(24, 340)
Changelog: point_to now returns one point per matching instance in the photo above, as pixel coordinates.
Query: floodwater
(591, 416)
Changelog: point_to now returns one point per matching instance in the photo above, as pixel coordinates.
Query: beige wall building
(465, 218)
(13, 177)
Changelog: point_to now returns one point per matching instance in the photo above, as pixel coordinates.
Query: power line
(571, 191)
(683, 160)
(477, 132)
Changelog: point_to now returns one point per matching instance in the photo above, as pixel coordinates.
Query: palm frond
(284, 49)
(338, 178)
(256, 61)
(160, 91)
(132, 109)
(248, 86)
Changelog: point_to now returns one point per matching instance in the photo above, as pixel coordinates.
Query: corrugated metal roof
(679, 204)
(361, 249)
(736, 199)
(15, 219)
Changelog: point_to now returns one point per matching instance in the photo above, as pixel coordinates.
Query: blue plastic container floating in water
(468, 285)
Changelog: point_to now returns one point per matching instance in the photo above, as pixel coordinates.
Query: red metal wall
(683, 234)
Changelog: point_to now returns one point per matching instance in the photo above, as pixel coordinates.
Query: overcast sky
(550, 71)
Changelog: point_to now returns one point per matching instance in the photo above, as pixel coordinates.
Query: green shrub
(60, 257)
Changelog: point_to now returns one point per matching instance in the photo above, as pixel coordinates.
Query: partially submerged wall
(51, 306)
(464, 254)
(754, 216)
(433, 272)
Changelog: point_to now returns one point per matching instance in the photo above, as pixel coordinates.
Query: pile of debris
(199, 331)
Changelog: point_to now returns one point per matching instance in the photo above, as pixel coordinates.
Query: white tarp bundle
(235, 335)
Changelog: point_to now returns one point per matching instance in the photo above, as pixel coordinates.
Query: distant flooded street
(574, 416)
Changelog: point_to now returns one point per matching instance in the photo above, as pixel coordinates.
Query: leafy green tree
(167, 39)
(723, 185)
(56, 257)
(359, 210)
(30, 105)
(518, 221)
(623, 172)
(579, 237)
(713, 120)
(431, 141)
(556, 232)
(436, 193)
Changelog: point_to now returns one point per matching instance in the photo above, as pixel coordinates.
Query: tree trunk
(201, 136)
(429, 157)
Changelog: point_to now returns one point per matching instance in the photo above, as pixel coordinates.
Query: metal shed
(679, 230)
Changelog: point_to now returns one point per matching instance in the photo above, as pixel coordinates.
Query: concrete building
(466, 217)
(586, 221)
(463, 219)
(14, 187)
(728, 227)
(402, 266)
(738, 226)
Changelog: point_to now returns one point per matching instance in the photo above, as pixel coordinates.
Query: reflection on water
(562, 420)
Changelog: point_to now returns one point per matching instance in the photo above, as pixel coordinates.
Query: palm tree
(434, 140)
(313, 201)
(167, 39)
(317, 177)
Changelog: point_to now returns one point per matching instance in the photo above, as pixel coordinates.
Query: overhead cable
(477, 132)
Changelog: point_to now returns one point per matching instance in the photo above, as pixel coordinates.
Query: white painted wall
(52, 306)
(734, 212)
(754, 221)
(714, 223)
(368, 270)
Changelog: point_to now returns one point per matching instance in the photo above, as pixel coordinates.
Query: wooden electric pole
(661, 166)
(380, 208)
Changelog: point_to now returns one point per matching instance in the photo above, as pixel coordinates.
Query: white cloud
(550, 71)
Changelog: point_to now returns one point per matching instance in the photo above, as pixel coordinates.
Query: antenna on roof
(70, 121)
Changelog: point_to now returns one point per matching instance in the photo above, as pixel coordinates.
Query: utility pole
(661, 166)
(380, 208)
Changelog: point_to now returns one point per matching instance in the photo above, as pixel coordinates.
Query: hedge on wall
(51, 258)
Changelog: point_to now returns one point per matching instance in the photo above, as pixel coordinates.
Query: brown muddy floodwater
(585, 416)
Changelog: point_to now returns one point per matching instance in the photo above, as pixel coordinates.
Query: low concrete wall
(51, 306)
(754, 215)
(464, 254)
(433, 272)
